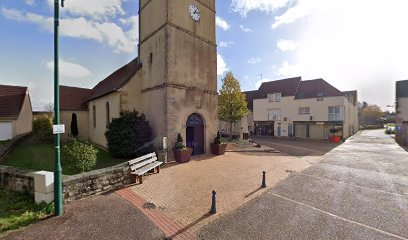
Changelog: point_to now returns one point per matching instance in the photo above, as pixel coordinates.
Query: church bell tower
(177, 48)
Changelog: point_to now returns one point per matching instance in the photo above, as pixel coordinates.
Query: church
(173, 81)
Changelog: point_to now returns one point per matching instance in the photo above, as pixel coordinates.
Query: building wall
(24, 122)
(402, 111)
(83, 122)
(97, 134)
(402, 121)
(319, 111)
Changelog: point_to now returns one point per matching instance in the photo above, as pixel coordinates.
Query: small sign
(58, 129)
(164, 143)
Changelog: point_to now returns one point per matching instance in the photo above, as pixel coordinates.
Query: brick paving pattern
(183, 192)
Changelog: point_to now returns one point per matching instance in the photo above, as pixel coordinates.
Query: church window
(107, 114)
(151, 58)
(94, 116)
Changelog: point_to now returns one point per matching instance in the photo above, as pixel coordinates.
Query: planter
(183, 155)
(218, 149)
(335, 139)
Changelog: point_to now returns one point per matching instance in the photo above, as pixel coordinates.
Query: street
(358, 191)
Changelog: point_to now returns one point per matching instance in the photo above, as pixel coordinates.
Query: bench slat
(146, 168)
(139, 159)
(143, 163)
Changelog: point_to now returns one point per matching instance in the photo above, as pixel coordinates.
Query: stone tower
(177, 48)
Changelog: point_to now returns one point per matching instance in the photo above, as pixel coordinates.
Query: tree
(74, 125)
(129, 135)
(232, 105)
(371, 115)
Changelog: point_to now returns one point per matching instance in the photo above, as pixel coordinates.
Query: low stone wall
(15, 179)
(85, 184)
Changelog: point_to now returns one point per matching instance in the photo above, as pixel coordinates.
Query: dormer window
(275, 97)
(320, 96)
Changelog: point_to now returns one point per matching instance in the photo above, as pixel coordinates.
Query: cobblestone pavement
(358, 191)
(183, 192)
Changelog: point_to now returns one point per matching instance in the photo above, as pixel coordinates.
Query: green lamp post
(57, 137)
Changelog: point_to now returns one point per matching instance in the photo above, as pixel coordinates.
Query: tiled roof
(352, 96)
(311, 89)
(11, 100)
(402, 89)
(287, 87)
(116, 80)
(73, 98)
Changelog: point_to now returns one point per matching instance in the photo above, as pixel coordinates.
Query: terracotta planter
(218, 149)
(183, 155)
(335, 139)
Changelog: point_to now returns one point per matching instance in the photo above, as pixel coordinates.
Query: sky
(352, 44)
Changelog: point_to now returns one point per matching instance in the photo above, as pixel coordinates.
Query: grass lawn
(39, 156)
(18, 210)
(3, 142)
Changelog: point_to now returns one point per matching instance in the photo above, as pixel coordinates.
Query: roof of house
(352, 96)
(287, 87)
(74, 98)
(402, 89)
(299, 89)
(116, 80)
(313, 88)
(11, 101)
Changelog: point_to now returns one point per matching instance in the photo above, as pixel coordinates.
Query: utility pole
(57, 137)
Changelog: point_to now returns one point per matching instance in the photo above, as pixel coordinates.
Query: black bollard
(213, 204)
(263, 180)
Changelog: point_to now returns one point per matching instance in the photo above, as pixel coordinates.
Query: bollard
(213, 204)
(263, 180)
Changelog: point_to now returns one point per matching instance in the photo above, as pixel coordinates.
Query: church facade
(173, 81)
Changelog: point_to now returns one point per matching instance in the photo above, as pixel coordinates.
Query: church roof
(11, 100)
(116, 80)
(74, 98)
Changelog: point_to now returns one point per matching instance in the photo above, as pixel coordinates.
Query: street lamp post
(57, 137)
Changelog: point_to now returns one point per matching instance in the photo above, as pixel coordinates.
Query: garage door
(316, 131)
(6, 131)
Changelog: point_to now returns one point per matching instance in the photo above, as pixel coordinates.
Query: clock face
(194, 12)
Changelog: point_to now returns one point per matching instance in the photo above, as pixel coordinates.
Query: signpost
(57, 129)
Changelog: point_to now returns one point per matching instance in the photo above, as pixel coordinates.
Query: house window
(275, 97)
(304, 111)
(274, 114)
(320, 96)
(335, 113)
(94, 116)
(107, 114)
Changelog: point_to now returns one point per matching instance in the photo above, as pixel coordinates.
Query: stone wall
(94, 182)
(15, 179)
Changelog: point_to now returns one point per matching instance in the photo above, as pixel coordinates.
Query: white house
(15, 112)
(306, 109)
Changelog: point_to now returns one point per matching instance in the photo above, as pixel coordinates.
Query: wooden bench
(142, 165)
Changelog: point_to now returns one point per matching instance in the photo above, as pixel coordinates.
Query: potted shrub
(218, 147)
(334, 138)
(181, 153)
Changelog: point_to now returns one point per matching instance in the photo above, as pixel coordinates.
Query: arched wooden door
(195, 133)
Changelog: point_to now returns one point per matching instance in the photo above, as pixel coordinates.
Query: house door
(195, 133)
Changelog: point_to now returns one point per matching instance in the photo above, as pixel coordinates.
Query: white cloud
(103, 32)
(29, 2)
(245, 6)
(220, 22)
(287, 70)
(226, 44)
(245, 29)
(253, 60)
(286, 45)
(69, 69)
(221, 65)
(96, 9)
(302, 9)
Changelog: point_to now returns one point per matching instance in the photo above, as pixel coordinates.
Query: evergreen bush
(74, 125)
(42, 128)
(217, 139)
(78, 156)
(180, 142)
(129, 135)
